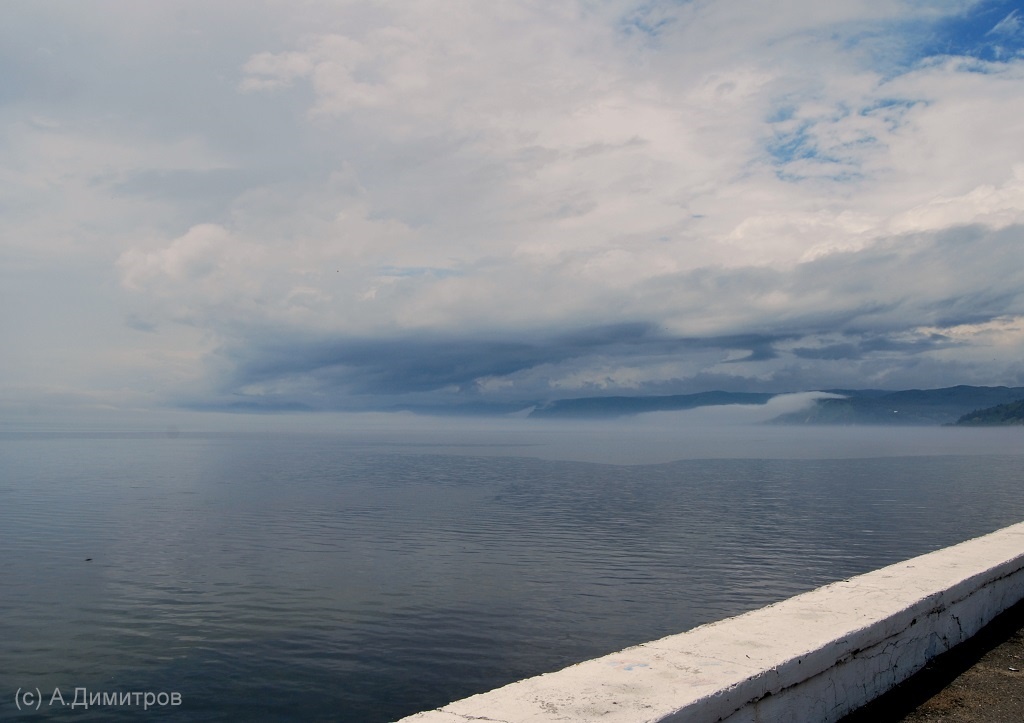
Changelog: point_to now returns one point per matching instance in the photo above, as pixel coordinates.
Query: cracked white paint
(814, 657)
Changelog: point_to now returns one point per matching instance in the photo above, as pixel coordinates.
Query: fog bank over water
(733, 414)
(722, 432)
(628, 443)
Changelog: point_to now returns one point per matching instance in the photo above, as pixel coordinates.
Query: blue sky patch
(796, 146)
(990, 31)
(793, 145)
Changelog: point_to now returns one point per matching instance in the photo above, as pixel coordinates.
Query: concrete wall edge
(813, 657)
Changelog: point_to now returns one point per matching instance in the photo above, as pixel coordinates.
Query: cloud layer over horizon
(440, 203)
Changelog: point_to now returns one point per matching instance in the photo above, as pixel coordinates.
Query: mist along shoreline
(815, 657)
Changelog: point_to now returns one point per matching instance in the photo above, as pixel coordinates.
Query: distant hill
(608, 407)
(1000, 415)
(910, 407)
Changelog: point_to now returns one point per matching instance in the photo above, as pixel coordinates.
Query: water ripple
(302, 578)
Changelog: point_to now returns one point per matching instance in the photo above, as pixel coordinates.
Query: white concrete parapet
(814, 657)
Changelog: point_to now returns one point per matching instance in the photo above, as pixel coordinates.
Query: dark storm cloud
(762, 348)
(428, 363)
(831, 352)
(875, 344)
(964, 275)
(368, 366)
(884, 309)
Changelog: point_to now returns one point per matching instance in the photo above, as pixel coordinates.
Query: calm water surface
(363, 578)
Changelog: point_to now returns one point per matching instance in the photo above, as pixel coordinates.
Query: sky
(448, 205)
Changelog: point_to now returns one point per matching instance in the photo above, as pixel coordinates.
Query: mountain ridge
(1002, 415)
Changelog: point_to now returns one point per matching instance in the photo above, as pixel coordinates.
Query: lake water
(366, 575)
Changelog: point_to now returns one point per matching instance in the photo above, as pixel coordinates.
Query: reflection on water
(364, 579)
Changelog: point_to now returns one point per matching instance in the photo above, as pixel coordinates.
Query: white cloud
(995, 206)
(446, 167)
